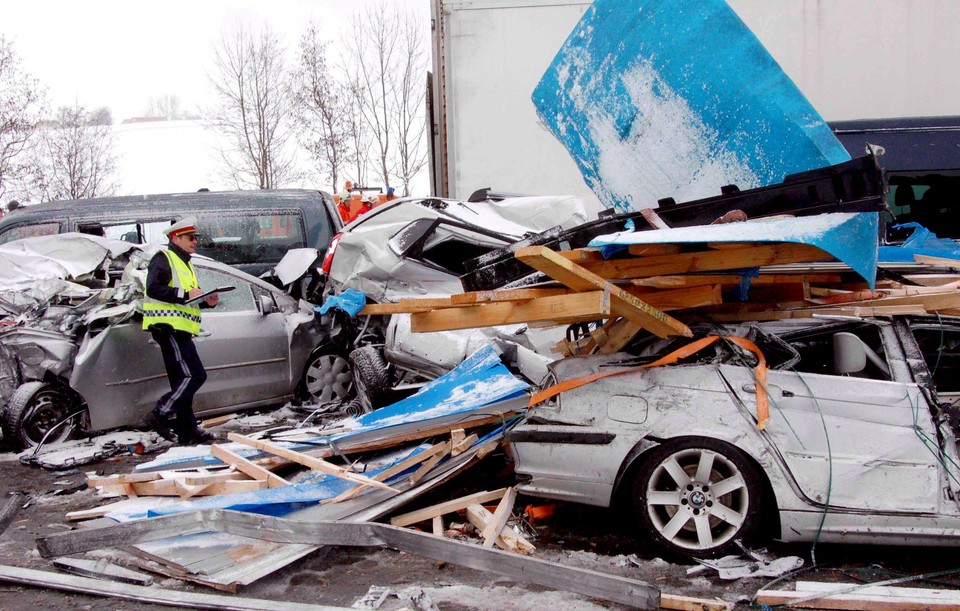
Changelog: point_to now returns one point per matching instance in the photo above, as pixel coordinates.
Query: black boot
(160, 424)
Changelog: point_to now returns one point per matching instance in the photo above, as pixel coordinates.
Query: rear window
(263, 237)
(19, 232)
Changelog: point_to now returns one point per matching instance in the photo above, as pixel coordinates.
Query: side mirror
(849, 354)
(266, 305)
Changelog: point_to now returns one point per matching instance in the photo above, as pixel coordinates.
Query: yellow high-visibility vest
(179, 316)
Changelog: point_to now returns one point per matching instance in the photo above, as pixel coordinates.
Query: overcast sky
(120, 53)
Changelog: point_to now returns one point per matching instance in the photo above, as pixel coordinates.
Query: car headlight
(31, 355)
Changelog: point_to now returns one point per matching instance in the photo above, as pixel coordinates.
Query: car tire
(326, 377)
(371, 376)
(35, 408)
(695, 497)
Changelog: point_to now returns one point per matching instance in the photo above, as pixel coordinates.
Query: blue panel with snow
(671, 98)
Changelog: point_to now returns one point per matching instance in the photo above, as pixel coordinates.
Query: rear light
(328, 258)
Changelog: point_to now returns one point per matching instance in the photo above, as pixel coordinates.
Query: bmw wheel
(695, 497)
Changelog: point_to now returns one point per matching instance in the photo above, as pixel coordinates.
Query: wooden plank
(508, 539)
(375, 309)
(386, 474)
(446, 507)
(669, 282)
(437, 524)
(506, 295)
(653, 250)
(430, 463)
(94, 481)
(623, 303)
(703, 261)
(619, 335)
(870, 599)
(218, 420)
(187, 491)
(464, 444)
(576, 306)
(143, 594)
(500, 517)
(317, 464)
(581, 254)
(245, 466)
(178, 488)
(689, 603)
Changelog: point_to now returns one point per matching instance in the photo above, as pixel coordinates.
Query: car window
(816, 350)
(150, 232)
(941, 352)
(239, 300)
(19, 232)
(449, 246)
(264, 237)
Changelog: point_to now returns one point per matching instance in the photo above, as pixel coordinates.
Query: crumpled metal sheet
(66, 256)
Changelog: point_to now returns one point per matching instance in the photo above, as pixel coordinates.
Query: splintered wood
(633, 292)
(723, 282)
(492, 528)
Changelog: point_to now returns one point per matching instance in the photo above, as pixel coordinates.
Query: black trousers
(186, 374)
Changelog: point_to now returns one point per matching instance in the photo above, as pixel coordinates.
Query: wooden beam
(428, 513)
(374, 309)
(620, 301)
(653, 250)
(317, 464)
(500, 517)
(508, 539)
(245, 466)
(703, 261)
(576, 306)
(689, 603)
(430, 463)
(389, 472)
(506, 295)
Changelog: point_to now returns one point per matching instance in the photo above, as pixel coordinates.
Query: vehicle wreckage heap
(331, 483)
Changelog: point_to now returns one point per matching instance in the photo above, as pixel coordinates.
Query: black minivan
(250, 230)
(922, 162)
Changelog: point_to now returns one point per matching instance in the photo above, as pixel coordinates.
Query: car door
(867, 442)
(246, 353)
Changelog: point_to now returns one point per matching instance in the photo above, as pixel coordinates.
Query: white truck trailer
(852, 59)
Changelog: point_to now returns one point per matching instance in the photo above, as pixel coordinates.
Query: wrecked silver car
(416, 248)
(859, 445)
(71, 342)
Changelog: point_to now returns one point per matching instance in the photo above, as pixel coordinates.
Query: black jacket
(159, 275)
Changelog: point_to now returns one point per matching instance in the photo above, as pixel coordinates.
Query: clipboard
(205, 294)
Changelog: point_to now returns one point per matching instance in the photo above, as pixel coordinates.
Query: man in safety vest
(174, 321)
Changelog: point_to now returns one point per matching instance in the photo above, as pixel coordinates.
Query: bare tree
(373, 57)
(357, 135)
(389, 64)
(74, 158)
(166, 106)
(253, 108)
(322, 108)
(21, 106)
(411, 154)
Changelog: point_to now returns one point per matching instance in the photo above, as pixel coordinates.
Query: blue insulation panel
(672, 98)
